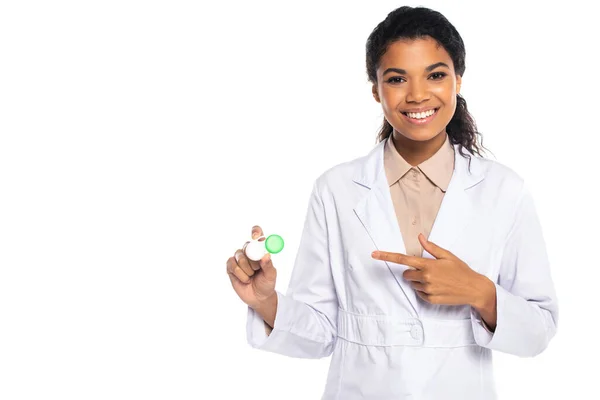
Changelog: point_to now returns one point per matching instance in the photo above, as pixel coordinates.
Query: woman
(418, 259)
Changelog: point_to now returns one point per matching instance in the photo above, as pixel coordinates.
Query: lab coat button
(416, 332)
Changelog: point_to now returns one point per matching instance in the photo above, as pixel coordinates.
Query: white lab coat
(385, 342)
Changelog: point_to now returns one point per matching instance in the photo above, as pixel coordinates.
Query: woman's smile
(420, 118)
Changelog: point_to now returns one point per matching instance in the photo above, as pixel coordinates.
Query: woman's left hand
(443, 280)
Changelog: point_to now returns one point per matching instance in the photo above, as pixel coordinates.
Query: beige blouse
(417, 192)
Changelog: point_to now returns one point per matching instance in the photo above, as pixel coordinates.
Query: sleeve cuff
(483, 335)
(256, 328)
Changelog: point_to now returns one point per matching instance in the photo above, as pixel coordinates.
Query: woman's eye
(395, 79)
(437, 75)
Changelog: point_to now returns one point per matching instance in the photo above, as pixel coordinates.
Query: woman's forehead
(414, 54)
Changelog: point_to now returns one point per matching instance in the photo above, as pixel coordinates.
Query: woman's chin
(417, 136)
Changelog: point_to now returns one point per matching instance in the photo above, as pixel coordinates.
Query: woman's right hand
(253, 281)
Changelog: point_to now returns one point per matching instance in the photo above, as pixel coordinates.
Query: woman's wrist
(484, 300)
(264, 303)
(484, 294)
(267, 308)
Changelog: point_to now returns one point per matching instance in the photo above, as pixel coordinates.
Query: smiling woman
(417, 259)
(419, 99)
(416, 71)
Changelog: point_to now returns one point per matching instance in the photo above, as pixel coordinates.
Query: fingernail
(375, 254)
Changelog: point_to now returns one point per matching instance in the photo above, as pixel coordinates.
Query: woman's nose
(417, 92)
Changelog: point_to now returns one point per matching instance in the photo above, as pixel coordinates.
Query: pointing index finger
(399, 258)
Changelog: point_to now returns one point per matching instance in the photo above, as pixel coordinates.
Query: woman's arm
(304, 320)
(526, 305)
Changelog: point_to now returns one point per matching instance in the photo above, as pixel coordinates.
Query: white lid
(255, 250)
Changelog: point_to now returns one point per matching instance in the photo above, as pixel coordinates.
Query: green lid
(274, 244)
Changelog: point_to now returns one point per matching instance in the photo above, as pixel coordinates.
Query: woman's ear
(458, 83)
(375, 93)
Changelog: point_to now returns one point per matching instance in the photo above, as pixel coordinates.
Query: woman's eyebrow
(428, 69)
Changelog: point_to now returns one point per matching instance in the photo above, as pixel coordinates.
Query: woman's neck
(414, 151)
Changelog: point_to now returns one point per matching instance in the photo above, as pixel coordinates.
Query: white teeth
(421, 115)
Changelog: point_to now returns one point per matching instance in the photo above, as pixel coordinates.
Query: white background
(141, 140)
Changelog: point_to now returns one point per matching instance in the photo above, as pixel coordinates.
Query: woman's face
(415, 79)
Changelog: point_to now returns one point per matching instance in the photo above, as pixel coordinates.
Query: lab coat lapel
(376, 211)
(456, 210)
